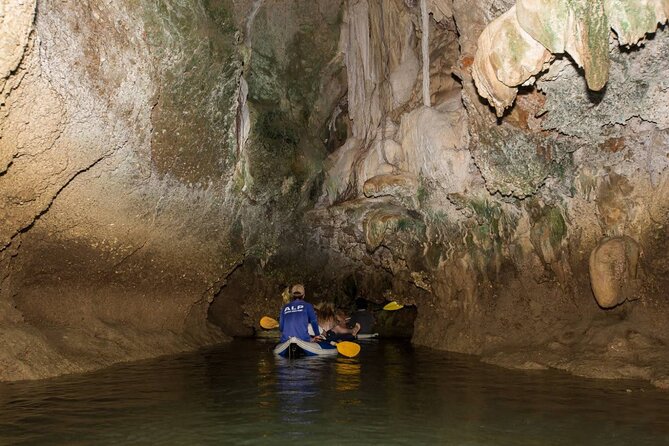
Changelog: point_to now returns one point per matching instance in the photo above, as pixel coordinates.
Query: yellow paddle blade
(268, 323)
(392, 306)
(349, 349)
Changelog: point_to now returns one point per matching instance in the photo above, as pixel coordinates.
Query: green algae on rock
(580, 28)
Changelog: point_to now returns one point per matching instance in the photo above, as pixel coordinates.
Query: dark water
(391, 394)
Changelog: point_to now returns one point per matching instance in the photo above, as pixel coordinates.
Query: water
(391, 394)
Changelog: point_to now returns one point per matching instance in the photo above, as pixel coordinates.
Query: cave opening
(237, 315)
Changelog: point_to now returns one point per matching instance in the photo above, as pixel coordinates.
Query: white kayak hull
(297, 347)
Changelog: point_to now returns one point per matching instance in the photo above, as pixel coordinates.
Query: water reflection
(390, 394)
(348, 375)
(297, 385)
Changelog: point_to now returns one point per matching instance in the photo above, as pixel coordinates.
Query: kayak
(295, 347)
(364, 336)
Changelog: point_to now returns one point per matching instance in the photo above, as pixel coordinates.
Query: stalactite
(249, 22)
(243, 115)
(514, 47)
(243, 119)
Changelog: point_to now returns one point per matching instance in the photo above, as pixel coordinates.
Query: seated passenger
(362, 317)
(341, 318)
(330, 330)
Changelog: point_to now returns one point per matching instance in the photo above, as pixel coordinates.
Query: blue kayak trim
(304, 348)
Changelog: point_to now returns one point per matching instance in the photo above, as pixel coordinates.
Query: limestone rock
(547, 233)
(434, 146)
(632, 90)
(403, 76)
(512, 43)
(428, 143)
(388, 224)
(382, 157)
(119, 159)
(507, 56)
(516, 162)
(377, 37)
(377, 223)
(613, 267)
(577, 27)
(16, 18)
(615, 203)
(632, 19)
(361, 69)
(393, 185)
(339, 166)
(440, 9)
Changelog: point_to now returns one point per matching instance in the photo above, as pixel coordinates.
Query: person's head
(297, 291)
(360, 304)
(326, 317)
(340, 317)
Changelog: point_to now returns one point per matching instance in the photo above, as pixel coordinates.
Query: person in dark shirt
(363, 317)
(330, 330)
(296, 315)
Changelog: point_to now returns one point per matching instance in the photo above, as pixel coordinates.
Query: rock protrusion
(514, 47)
(401, 185)
(507, 56)
(613, 269)
(16, 18)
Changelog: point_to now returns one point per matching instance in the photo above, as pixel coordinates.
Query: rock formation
(166, 169)
(515, 46)
(487, 225)
(613, 268)
(133, 182)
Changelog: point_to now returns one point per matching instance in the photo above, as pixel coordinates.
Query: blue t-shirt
(294, 318)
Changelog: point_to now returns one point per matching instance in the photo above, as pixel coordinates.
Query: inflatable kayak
(364, 336)
(295, 347)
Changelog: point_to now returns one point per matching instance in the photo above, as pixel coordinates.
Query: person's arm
(350, 323)
(313, 320)
(341, 330)
(281, 320)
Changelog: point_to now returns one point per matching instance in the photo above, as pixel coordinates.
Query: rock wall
(131, 188)
(93, 248)
(535, 238)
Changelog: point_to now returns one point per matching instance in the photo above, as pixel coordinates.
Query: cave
(497, 169)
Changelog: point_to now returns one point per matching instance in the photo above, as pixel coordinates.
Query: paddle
(268, 323)
(392, 306)
(346, 348)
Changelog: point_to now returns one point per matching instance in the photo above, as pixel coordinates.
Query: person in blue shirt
(296, 315)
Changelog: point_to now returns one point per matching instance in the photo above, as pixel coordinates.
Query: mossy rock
(397, 221)
(403, 185)
(517, 163)
(549, 229)
(197, 65)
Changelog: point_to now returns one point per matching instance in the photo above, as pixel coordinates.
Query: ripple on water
(391, 394)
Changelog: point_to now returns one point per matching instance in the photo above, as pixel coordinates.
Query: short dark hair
(360, 303)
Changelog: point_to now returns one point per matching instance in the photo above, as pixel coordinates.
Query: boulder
(613, 268)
